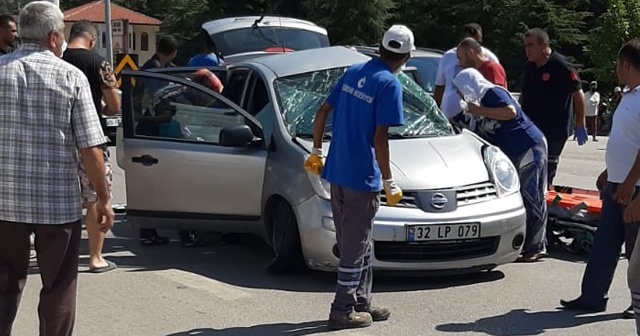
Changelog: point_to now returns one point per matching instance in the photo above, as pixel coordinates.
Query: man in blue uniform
(366, 101)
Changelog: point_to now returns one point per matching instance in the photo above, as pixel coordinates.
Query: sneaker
(582, 306)
(628, 314)
(379, 313)
(351, 321)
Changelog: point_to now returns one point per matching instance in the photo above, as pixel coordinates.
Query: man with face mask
(49, 123)
(8, 34)
(366, 101)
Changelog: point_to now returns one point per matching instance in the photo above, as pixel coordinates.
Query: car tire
(284, 238)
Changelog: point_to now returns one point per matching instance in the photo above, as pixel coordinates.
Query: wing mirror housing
(236, 136)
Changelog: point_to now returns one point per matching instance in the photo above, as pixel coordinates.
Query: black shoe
(629, 314)
(351, 321)
(379, 313)
(580, 305)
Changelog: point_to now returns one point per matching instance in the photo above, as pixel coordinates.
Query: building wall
(132, 43)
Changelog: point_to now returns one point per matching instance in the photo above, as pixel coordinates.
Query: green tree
(620, 23)
(351, 22)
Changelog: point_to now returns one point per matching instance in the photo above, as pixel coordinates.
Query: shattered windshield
(300, 96)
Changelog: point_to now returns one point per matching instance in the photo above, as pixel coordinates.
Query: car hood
(433, 163)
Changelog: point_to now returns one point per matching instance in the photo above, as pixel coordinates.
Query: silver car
(234, 163)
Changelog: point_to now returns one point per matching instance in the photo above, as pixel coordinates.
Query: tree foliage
(620, 23)
(588, 31)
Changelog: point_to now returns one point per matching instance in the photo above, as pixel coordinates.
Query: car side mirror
(236, 136)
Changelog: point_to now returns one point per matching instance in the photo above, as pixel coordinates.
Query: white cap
(403, 36)
(617, 89)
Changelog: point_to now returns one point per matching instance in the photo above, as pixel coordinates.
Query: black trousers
(555, 148)
(57, 247)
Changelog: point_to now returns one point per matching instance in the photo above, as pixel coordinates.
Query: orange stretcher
(573, 218)
(571, 198)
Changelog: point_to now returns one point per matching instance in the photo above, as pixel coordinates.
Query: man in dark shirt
(550, 86)
(8, 33)
(102, 82)
(166, 52)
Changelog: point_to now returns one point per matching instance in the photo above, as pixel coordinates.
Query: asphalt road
(223, 290)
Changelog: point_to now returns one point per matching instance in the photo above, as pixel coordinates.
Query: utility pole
(109, 32)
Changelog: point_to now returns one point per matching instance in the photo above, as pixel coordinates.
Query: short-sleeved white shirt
(592, 100)
(447, 71)
(624, 138)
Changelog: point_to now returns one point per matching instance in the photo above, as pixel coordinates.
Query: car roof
(309, 60)
(232, 23)
(419, 52)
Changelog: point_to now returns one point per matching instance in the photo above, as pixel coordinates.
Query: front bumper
(502, 222)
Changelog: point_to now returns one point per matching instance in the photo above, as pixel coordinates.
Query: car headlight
(321, 187)
(504, 174)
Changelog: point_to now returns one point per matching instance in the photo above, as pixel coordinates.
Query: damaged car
(236, 165)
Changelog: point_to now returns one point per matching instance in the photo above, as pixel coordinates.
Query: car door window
(258, 103)
(236, 87)
(171, 110)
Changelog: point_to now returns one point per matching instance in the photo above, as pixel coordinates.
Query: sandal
(154, 240)
(531, 257)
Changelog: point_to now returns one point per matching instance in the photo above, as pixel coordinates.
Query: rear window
(277, 39)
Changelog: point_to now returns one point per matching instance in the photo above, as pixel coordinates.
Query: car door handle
(145, 160)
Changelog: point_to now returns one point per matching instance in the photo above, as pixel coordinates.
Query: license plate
(442, 232)
(113, 122)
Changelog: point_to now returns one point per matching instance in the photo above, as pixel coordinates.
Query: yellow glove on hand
(314, 163)
(393, 192)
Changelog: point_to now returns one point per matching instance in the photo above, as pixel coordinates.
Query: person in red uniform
(470, 55)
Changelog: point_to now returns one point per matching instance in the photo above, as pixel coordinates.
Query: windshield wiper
(326, 136)
(396, 135)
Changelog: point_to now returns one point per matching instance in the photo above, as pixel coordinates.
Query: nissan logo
(438, 201)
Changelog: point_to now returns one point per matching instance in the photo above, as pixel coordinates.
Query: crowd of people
(471, 90)
(55, 161)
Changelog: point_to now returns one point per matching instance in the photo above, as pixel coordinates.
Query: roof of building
(94, 12)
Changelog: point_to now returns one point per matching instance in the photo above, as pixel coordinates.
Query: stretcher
(573, 218)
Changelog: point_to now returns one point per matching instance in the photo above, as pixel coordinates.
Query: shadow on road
(241, 262)
(289, 329)
(520, 322)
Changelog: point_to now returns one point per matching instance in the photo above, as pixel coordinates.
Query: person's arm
(108, 84)
(503, 113)
(438, 92)
(571, 83)
(319, 124)
(624, 191)
(388, 113)
(579, 108)
(381, 145)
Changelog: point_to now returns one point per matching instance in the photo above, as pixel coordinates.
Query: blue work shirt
(204, 60)
(368, 95)
(514, 137)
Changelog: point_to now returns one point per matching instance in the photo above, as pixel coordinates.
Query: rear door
(177, 171)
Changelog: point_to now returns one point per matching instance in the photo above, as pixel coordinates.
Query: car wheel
(285, 241)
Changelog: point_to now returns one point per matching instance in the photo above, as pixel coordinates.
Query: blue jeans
(532, 168)
(611, 234)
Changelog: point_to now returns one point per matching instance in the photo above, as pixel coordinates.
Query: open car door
(191, 157)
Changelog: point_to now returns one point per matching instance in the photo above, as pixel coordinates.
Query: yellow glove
(314, 163)
(393, 192)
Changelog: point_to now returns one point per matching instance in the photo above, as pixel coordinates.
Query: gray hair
(38, 19)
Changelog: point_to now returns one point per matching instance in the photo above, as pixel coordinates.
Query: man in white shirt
(592, 101)
(618, 183)
(445, 94)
